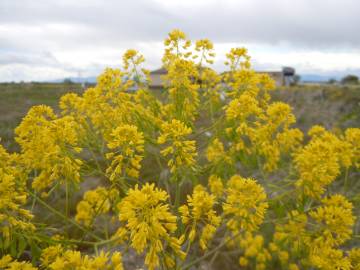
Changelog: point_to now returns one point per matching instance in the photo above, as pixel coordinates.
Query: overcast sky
(46, 39)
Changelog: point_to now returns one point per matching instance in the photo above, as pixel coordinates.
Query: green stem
(56, 212)
(67, 199)
(346, 180)
(189, 265)
(177, 195)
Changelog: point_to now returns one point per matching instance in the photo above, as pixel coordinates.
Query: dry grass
(331, 106)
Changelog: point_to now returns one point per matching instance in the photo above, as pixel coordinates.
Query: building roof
(161, 71)
(270, 72)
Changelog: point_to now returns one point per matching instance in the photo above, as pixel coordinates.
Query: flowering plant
(207, 170)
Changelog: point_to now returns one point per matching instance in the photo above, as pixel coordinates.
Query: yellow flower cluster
(13, 215)
(176, 46)
(335, 221)
(183, 75)
(352, 136)
(132, 59)
(238, 57)
(182, 152)
(199, 215)
(57, 258)
(183, 90)
(111, 80)
(128, 146)
(94, 203)
(254, 251)
(316, 245)
(328, 259)
(8, 263)
(216, 185)
(245, 204)
(257, 127)
(354, 256)
(150, 224)
(216, 154)
(210, 85)
(205, 48)
(320, 161)
(49, 146)
(291, 236)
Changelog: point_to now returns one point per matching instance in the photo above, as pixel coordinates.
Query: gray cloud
(37, 32)
(306, 22)
(28, 58)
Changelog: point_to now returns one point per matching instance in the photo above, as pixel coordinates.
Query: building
(156, 78)
(285, 77)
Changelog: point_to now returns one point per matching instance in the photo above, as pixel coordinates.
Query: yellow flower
(216, 154)
(279, 113)
(245, 204)
(74, 260)
(318, 166)
(128, 144)
(111, 80)
(205, 48)
(335, 221)
(293, 266)
(49, 145)
(182, 152)
(13, 214)
(253, 250)
(290, 139)
(8, 263)
(132, 60)
(352, 136)
(95, 203)
(243, 107)
(261, 129)
(216, 185)
(235, 56)
(49, 254)
(183, 90)
(210, 83)
(150, 223)
(132, 57)
(199, 215)
(328, 258)
(354, 256)
(243, 261)
(291, 236)
(176, 45)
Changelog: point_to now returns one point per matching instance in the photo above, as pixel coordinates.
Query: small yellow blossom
(354, 256)
(49, 145)
(328, 258)
(182, 152)
(216, 185)
(245, 204)
(8, 263)
(150, 223)
(335, 221)
(127, 144)
(199, 215)
(94, 203)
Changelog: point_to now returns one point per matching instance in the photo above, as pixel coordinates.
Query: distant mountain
(319, 78)
(76, 80)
